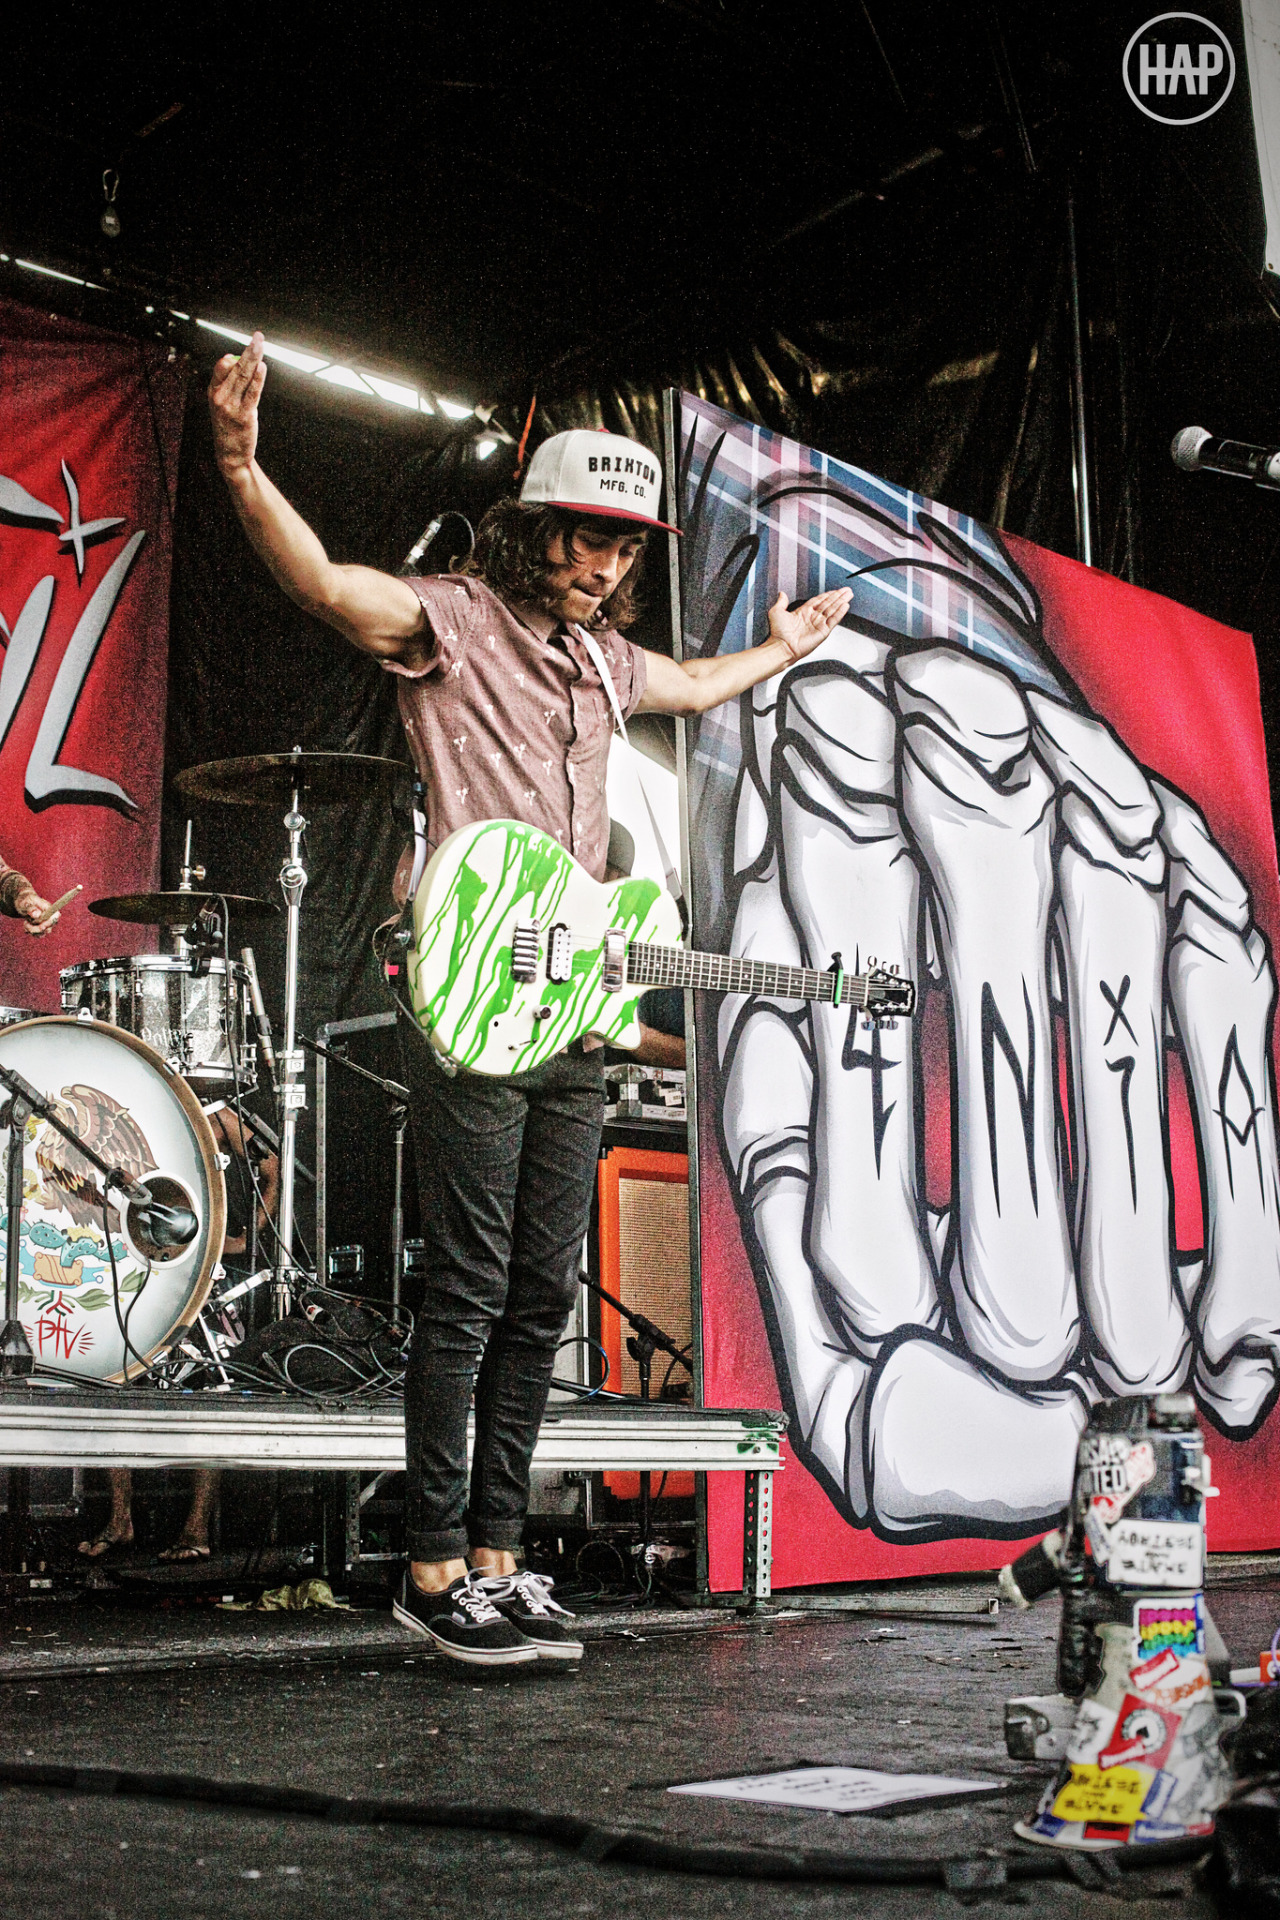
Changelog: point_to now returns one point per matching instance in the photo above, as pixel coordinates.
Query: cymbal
(268, 779)
(179, 909)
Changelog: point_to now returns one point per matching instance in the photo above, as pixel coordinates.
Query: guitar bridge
(614, 972)
(524, 950)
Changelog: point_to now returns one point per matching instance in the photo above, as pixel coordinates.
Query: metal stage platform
(48, 1425)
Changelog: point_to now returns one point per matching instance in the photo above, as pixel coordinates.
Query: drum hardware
(399, 1099)
(290, 779)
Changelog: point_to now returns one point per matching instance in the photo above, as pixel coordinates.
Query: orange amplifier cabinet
(644, 1260)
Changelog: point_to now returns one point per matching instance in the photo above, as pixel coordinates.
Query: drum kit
(109, 1098)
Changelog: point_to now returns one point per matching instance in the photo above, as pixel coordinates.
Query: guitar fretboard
(654, 966)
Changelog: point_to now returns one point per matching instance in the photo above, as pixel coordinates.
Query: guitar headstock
(889, 994)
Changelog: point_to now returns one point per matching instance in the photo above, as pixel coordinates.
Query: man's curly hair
(510, 555)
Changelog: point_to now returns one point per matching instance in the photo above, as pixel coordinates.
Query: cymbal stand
(293, 1090)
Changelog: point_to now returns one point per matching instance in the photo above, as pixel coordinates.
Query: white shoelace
(533, 1588)
(472, 1600)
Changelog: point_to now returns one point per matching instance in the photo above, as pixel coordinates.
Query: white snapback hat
(596, 473)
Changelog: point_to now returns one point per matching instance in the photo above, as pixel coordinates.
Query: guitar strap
(675, 886)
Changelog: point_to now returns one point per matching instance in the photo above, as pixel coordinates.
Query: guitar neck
(654, 966)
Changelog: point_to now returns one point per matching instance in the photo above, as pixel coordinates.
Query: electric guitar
(517, 952)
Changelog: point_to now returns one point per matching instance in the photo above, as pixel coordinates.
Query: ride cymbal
(269, 779)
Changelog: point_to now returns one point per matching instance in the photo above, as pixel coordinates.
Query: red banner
(1044, 794)
(90, 426)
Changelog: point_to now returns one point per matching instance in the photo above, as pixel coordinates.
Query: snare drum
(196, 1026)
(120, 1097)
(9, 1016)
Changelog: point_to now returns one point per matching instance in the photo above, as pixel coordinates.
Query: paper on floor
(838, 1789)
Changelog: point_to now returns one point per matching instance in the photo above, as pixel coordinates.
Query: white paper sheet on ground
(626, 804)
(838, 1789)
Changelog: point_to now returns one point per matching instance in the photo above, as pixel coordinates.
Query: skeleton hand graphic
(917, 803)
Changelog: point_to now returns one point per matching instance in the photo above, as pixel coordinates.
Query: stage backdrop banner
(89, 432)
(1043, 795)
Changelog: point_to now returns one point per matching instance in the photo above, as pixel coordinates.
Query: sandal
(100, 1552)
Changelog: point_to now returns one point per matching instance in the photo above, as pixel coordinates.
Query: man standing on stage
(507, 718)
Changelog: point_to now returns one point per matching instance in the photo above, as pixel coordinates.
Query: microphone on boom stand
(260, 1017)
(1195, 449)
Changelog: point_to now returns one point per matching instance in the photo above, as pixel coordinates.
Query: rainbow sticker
(1177, 1629)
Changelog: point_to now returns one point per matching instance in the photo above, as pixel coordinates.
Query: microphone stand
(24, 1102)
(647, 1339)
(399, 1098)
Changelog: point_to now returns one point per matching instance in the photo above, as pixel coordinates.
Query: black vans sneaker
(464, 1623)
(524, 1599)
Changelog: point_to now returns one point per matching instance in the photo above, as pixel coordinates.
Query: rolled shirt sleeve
(449, 604)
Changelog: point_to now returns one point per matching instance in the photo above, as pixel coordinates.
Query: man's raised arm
(377, 612)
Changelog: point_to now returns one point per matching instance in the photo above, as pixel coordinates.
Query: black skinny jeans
(506, 1170)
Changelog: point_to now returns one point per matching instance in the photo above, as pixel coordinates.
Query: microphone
(260, 1019)
(1196, 449)
(158, 1218)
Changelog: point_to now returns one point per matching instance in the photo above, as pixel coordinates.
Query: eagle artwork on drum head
(113, 1133)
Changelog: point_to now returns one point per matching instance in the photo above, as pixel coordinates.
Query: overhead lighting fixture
(228, 333)
(484, 448)
(396, 393)
(294, 357)
(72, 279)
(343, 377)
(393, 390)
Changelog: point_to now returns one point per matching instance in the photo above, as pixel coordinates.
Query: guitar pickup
(524, 950)
(559, 953)
(614, 973)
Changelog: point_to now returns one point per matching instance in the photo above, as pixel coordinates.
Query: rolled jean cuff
(502, 1536)
(450, 1545)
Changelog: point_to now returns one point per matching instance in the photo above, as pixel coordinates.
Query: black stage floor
(345, 1704)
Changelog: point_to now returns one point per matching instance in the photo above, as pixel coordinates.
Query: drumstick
(58, 905)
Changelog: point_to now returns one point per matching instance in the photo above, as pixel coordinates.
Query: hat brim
(606, 513)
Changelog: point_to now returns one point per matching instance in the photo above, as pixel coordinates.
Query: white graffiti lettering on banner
(48, 782)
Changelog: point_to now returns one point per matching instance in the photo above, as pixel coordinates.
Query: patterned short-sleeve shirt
(509, 720)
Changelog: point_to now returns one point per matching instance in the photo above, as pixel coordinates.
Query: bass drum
(120, 1097)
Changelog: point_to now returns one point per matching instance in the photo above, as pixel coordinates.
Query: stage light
(484, 448)
(374, 386)
(228, 333)
(343, 377)
(394, 391)
(294, 357)
(73, 279)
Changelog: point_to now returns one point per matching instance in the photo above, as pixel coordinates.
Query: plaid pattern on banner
(764, 515)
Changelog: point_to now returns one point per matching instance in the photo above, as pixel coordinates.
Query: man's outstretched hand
(234, 392)
(803, 628)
